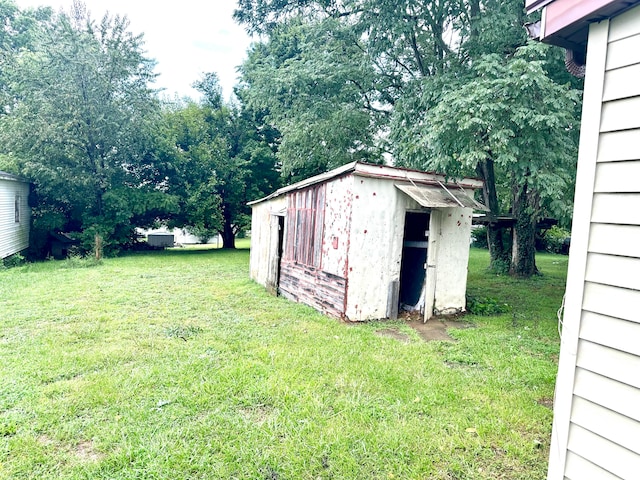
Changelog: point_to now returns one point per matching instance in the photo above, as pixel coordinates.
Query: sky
(186, 38)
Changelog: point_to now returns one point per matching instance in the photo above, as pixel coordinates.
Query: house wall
(264, 239)
(14, 237)
(596, 415)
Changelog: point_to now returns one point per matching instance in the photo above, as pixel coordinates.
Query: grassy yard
(175, 365)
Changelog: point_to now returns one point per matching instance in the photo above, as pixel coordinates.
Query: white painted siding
(14, 236)
(597, 419)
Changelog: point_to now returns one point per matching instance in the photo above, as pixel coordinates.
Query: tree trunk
(228, 235)
(495, 234)
(523, 249)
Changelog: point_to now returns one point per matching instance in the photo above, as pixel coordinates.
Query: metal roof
(12, 177)
(431, 196)
(377, 171)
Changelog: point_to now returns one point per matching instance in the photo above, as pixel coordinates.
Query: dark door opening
(280, 251)
(414, 260)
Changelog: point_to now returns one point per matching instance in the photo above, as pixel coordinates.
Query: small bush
(555, 240)
(479, 237)
(79, 261)
(485, 306)
(12, 261)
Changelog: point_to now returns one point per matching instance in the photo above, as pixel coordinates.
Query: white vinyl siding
(597, 418)
(14, 236)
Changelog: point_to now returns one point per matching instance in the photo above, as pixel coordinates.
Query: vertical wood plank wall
(597, 409)
(302, 277)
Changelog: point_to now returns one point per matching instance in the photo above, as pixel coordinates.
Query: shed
(362, 241)
(15, 214)
(596, 425)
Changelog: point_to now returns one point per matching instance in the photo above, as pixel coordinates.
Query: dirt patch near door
(437, 328)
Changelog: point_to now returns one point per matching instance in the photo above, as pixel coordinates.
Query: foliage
(225, 157)
(97, 383)
(13, 261)
(554, 239)
(317, 86)
(486, 306)
(82, 126)
(446, 85)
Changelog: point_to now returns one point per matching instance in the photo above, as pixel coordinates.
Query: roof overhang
(375, 171)
(440, 196)
(566, 22)
(13, 178)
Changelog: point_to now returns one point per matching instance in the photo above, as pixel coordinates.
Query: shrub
(14, 260)
(555, 239)
(479, 237)
(485, 306)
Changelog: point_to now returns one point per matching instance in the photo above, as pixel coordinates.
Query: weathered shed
(15, 214)
(361, 241)
(596, 425)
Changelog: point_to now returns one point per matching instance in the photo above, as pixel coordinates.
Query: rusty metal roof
(431, 196)
(376, 171)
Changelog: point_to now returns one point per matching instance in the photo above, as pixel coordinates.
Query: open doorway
(280, 251)
(414, 260)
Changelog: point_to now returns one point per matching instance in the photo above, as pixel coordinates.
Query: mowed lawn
(174, 365)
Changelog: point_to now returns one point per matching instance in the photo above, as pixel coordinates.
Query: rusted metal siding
(452, 260)
(14, 227)
(375, 251)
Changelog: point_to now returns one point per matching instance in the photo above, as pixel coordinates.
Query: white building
(596, 426)
(15, 214)
(361, 241)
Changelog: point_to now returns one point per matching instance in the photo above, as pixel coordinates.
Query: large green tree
(414, 59)
(81, 125)
(225, 158)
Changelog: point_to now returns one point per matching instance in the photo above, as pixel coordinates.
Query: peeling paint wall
(376, 246)
(452, 260)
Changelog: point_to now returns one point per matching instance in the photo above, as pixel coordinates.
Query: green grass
(174, 365)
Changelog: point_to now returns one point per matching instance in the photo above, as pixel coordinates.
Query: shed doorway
(414, 261)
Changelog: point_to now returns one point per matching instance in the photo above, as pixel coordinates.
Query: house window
(305, 225)
(17, 209)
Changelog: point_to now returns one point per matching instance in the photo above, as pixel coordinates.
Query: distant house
(596, 426)
(362, 241)
(15, 214)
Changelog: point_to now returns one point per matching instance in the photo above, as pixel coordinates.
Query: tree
(316, 86)
(515, 120)
(420, 57)
(226, 157)
(82, 126)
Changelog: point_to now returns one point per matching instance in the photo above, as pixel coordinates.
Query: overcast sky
(185, 37)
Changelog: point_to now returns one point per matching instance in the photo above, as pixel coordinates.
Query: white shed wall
(14, 236)
(264, 238)
(375, 249)
(337, 225)
(452, 260)
(596, 416)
